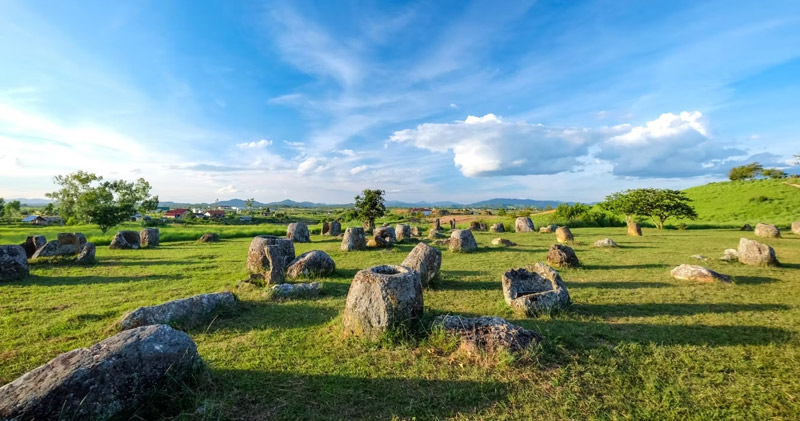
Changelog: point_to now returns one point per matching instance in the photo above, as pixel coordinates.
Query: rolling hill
(752, 201)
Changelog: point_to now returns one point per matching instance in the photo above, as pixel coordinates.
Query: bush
(760, 199)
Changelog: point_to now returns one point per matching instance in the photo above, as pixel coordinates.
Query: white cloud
(453, 106)
(673, 145)
(358, 169)
(229, 189)
(347, 152)
(261, 144)
(312, 164)
(488, 146)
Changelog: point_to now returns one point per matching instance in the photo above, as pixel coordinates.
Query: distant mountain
(516, 203)
(32, 202)
(491, 203)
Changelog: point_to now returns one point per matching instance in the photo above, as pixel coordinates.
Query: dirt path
(793, 185)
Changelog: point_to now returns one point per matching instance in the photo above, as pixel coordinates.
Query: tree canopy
(745, 172)
(85, 197)
(656, 204)
(370, 206)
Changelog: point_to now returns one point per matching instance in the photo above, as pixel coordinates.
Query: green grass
(636, 344)
(734, 203)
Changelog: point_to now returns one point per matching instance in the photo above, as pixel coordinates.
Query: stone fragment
(524, 224)
(462, 241)
(13, 263)
(353, 239)
(426, 260)
(487, 333)
(698, 273)
(535, 289)
(311, 263)
(297, 232)
(186, 311)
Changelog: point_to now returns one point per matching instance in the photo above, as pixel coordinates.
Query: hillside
(740, 202)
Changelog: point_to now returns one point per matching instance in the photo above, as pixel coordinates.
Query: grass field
(752, 201)
(636, 344)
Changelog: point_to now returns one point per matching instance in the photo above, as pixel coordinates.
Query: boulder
(209, 237)
(487, 333)
(730, 255)
(270, 255)
(698, 273)
(441, 242)
(125, 240)
(33, 243)
(699, 257)
(311, 263)
(462, 241)
(453, 224)
(291, 290)
(335, 228)
(325, 228)
(524, 224)
(437, 225)
(402, 231)
(634, 229)
(426, 260)
(13, 263)
(86, 256)
(149, 237)
(767, 230)
(503, 242)
(190, 310)
(354, 239)
(560, 255)
(548, 229)
(605, 242)
(746, 227)
(497, 228)
(756, 254)
(108, 380)
(796, 227)
(383, 237)
(382, 298)
(67, 244)
(415, 232)
(564, 235)
(474, 226)
(535, 289)
(434, 234)
(298, 232)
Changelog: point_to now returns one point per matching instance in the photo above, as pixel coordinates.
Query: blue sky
(427, 100)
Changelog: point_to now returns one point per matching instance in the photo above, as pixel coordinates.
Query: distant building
(179, 213)
(425, 211)
(215, 213)
(162, 208)
(35, 220)
(139, 217)
(246, 218)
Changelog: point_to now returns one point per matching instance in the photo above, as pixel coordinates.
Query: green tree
(370, 206)
(662, 204)
(501, 212)
(628, 203)
(2, 207)
(49, 209)
(773, 173)
(12, 209)
(745, 172)
(248, 204)
(85, 197)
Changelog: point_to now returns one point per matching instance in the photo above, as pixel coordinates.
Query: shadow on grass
(754, 280)
(81, 280)
(253, 394)
(258, 315)
(579, 334)
(440, 284)
(139, 262)
(640, 266)
(666, 309)
(618, 285)
(790, 265)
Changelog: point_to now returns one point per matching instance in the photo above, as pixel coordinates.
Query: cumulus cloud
(261, 144)
(312, 164)
(347, 152)
(358, 169)
(229, 189)
(489, 146)
(673, 145)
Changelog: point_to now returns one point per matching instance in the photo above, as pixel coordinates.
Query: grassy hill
(740, 202)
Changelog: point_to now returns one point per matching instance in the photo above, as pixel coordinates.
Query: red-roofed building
(215, 213)
(179, 213)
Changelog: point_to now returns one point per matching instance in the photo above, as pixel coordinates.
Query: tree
(628, 203)
(370, 206)
(248, 204)
(12, 209)
(49, 209)
(745, 172)
(656, 204)
(85, 197)
(774, 173)
(2, 207)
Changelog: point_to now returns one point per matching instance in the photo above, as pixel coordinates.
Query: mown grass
(751, 201)
(636, 344)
